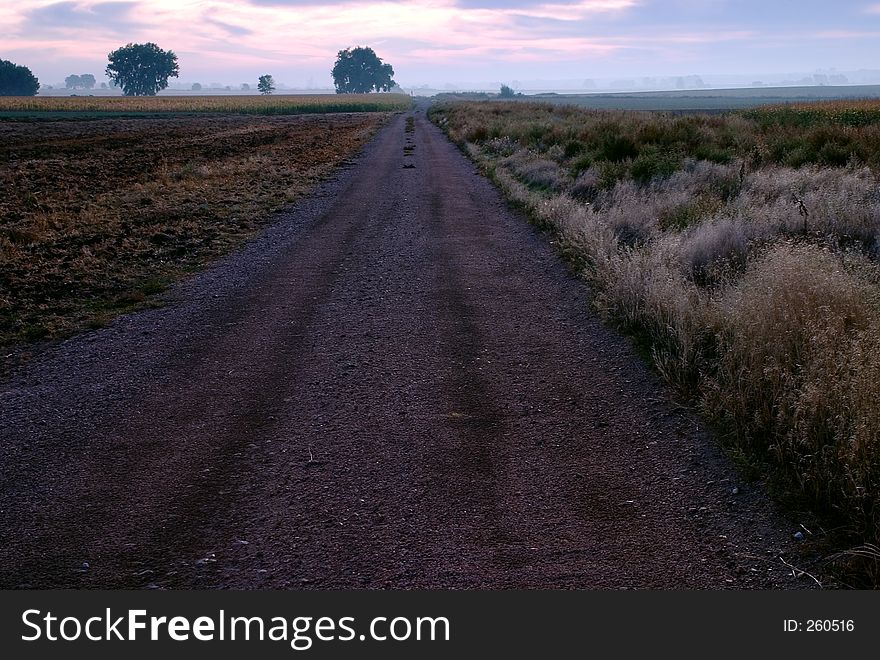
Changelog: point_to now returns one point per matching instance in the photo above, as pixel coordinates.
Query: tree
(197, 87)
(506, 92)
(85, 81)
(17, 80)
(266, 84)
(141, 69)
(245, 87)
(359, 70)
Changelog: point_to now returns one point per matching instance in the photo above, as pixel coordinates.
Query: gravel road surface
(396, 385)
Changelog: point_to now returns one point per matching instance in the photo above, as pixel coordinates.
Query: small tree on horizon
(84, 81)
(141, 69)
(17, 80)
(359, 71)
(266, 84)
(506, 92)
(196, 87)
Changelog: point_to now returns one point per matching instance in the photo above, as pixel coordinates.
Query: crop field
(17, 107)
(98, 215)
(864, 112)
(741, 251)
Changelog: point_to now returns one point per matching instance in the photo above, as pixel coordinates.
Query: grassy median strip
(97, 216)
(742, 253)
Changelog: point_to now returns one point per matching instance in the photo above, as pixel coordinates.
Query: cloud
(229, 28)
(308, 3)
(583, 6)
(568, 11)
(454, 37)
(840, 35)
(65, 15)
(506, 4)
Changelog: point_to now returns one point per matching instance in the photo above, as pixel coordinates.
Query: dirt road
(396, 385)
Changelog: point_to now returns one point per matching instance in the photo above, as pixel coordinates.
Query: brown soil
(397, 385)
(98, 214)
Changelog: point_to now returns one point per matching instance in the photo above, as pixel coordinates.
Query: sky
(440, 41)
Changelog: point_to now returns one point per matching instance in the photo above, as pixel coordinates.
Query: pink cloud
(243, 37)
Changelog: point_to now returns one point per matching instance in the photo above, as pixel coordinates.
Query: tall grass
(753, 282)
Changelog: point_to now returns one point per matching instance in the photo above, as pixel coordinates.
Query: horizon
(458, 43)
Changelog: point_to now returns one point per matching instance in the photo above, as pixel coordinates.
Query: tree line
(144, 70)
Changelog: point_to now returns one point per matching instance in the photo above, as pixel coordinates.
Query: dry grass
(96, 216)
(848, 113)
(754, 284)
(264, 105)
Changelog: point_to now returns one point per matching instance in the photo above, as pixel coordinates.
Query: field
(707, 100)
(741, 251)
(98, 215)
(74, 106)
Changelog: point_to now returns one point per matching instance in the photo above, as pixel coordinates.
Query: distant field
(711, 100)
(97, 215)
(60, 106)
(840, 112)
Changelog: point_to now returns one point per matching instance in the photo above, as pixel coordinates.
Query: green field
(710, 100)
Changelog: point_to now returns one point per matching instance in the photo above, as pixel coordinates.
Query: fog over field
(532, 45)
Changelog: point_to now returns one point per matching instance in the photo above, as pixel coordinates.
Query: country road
(396, 385)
